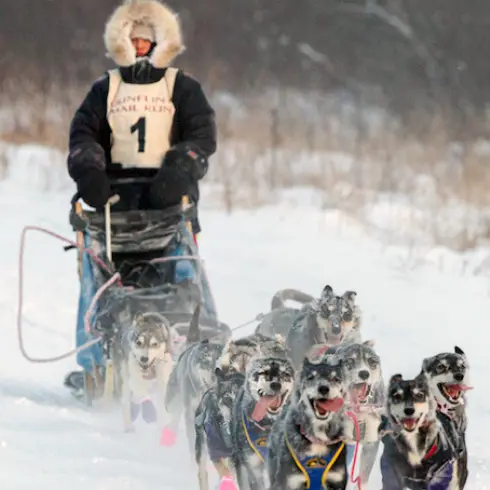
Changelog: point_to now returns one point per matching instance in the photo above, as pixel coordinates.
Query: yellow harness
(315, 469)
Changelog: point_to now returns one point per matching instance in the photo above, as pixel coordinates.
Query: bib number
(140, 127)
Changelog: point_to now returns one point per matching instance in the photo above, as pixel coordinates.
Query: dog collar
(315, 468)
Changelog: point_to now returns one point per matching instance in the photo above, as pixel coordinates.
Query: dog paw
(168, 437)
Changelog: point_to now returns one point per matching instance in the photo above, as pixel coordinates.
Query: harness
(315, 468)
(257, 436)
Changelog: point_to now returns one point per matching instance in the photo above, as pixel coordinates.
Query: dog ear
(327, 292)
(459, 351)
(369, 343)
(396, 378)
(350, 296)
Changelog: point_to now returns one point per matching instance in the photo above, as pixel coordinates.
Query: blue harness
(316, 468)
(257, 436)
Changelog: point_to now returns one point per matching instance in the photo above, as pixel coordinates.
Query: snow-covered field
(412, 309)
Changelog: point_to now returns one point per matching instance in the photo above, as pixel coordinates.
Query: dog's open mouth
(148, 370)
(359, 392)
(271, 404)
(323, 407)
(452, 392)
(409, 423)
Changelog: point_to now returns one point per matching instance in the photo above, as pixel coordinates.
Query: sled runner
(155, 256)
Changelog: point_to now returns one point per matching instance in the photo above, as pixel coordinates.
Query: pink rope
(20, 303)
(357, 428)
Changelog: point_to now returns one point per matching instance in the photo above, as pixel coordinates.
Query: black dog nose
(409, 411)
(323, 390)
(275, 386)
(459, 376)
(364, 374)
(144, 359)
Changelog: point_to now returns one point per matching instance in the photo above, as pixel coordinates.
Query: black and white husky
(307, 442)
(330, 320)
(142, 355)
(422, 447)
(268, 386)
(448, 375)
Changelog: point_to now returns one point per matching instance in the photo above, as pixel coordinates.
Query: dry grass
(275, 142)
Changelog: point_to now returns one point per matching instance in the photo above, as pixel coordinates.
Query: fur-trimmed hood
(163, 21)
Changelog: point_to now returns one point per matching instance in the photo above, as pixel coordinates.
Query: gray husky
(307, 442)
(281, 317)
(212, 425)
(142, 356)
(193, 374)
(366, 397)
(266, 392)
(422, 447)
(448, 377)
(330, 320)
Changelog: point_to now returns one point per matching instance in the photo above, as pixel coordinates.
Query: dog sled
(133, 262)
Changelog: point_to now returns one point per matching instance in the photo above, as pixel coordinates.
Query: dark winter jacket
(194, 119)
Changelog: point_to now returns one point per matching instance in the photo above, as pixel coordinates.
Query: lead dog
(366, 397)
(448, 377)
(307, 447)
(142, 355)
(421, 449)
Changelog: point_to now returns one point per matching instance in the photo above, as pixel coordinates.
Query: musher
(142, 119)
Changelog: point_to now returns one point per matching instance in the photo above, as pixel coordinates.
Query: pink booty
(168, 437)
(227, 483)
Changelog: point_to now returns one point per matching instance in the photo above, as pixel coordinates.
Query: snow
(414, 306)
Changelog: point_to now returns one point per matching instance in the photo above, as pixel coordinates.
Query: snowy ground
(47, 441)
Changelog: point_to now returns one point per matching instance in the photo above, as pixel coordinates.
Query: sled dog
(142, 356)
(267, 390)
(421, 448)
(307, 443)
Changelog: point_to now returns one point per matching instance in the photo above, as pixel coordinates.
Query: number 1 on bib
(140, 127)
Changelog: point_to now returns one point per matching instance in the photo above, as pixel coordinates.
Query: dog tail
(284, 295)
(193, 334)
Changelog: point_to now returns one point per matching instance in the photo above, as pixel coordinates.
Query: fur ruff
(163, 21)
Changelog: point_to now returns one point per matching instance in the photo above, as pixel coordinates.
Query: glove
(94, 187)
(186, 160)
(181, 168)
(86, 165)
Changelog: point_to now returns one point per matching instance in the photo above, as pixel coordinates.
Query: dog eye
(347, 316)
(373, 362)
(397, 398)
(139, 343)
(154, 345)
(440, 368)
(349, 363)
(419, 397)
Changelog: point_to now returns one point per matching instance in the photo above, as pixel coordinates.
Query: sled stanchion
(108, 231)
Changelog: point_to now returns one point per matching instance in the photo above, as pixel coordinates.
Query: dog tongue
(359, 392)
(332, 405)
(260, 410)
(409, 423)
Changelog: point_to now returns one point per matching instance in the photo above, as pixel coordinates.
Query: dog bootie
(168, 437)
(148, 412)
(227, 483)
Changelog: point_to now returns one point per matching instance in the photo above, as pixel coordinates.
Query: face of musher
(142, 46)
